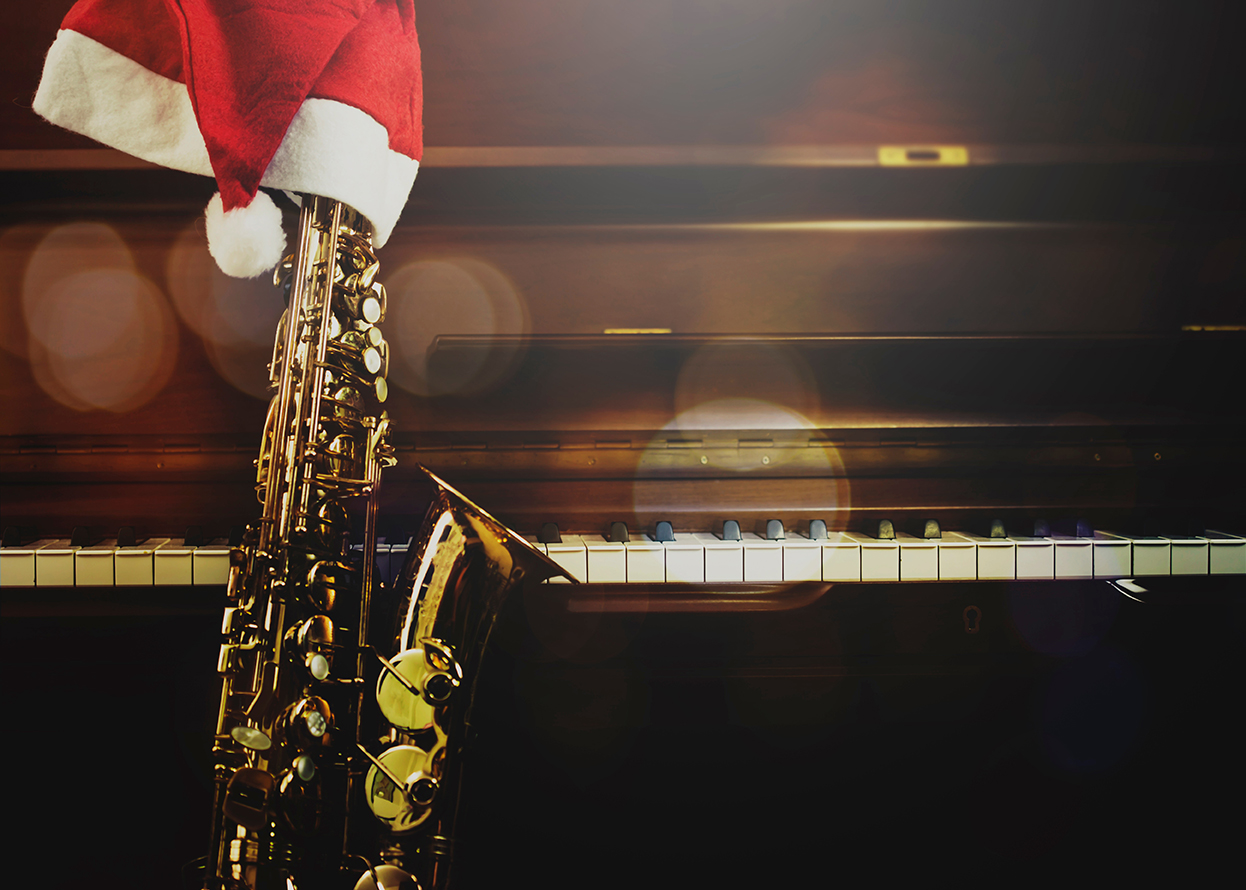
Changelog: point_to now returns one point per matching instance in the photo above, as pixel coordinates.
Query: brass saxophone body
(309, 635)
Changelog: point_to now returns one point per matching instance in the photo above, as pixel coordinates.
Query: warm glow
(100, 334)
(236, 317)
(451, 296)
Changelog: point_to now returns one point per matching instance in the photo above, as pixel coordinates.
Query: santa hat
(314, 96)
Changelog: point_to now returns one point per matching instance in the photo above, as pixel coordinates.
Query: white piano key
(607, 560)
(1074, 556)
(841, 557)
(1227, 554)
(1189, 555)
(572, 555)
(93, 566)
(54, 564)
(802, 558)
(724, 560)
(685, 559)
(996, 557)
(135, 566)
(958, 558)
(1151, 555)
(880, 558)
(1113, 556)
(1036, 558)
(172, 565)
(919, 558)
(646, 560)
(210, 563)
(17, 564)
(763, 559)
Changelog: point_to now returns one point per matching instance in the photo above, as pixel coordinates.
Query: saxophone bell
(460, 571)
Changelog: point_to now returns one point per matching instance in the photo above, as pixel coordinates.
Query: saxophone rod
(314, 369)
(281, 425)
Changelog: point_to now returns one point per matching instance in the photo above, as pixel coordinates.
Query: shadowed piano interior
(879, 368)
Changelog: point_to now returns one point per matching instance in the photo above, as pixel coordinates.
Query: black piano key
(618, 533)
(549, 534)
(931, 530)
(131, 536)
(1071, 528)
(997, 529)
(194, 536)
(1042, 528)
(817, 530)
(235, 535)
(731, 530)
(774, 530)
(886, 530)
(18, 536)
(663, 532)
(84, 536)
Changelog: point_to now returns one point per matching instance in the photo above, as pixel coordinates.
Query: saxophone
(318, 660)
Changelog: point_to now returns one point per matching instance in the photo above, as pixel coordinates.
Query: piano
(898, 443)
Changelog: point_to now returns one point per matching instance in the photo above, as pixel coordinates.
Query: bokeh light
(100, 335)
(16, 245)
(458, 295)
(732, 391)
(674, 495)
(738, 378)
(236, 317)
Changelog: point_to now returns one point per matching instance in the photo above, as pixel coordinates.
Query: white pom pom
(246, 241)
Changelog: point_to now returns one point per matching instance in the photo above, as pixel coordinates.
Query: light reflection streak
(837, 225)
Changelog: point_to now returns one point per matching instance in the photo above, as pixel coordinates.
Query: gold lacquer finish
(459, 572)
(295, 629)
(295, 750)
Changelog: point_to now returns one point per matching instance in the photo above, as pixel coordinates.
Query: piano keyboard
(732, 556)
(702, 557)
(155, 562)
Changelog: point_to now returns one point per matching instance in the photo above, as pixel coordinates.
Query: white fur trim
(338, 151)
(331, 149)
(93, 90)
(246, 241)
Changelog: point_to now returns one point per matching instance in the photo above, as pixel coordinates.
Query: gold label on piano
(923, 155)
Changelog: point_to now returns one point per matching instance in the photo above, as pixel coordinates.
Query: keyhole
(973, 619)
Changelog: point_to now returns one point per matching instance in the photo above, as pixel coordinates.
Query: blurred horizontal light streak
(818, 155)
(842, 225)
(812, 226)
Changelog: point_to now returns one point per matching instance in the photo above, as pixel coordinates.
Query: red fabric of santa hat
(320, 97)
